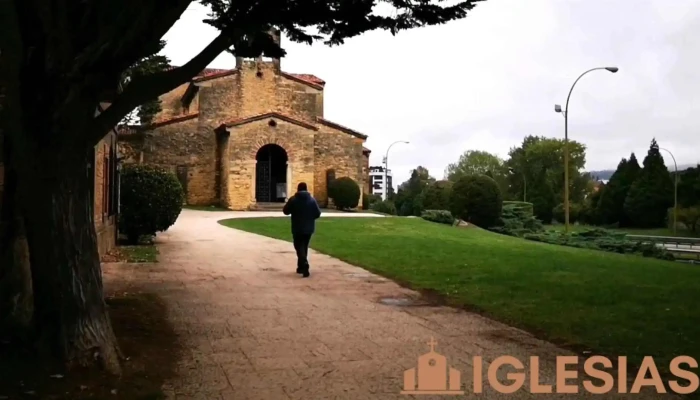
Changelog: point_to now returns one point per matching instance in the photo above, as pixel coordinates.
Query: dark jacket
(304, 211)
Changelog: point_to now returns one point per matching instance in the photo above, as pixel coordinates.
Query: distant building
(376, 180)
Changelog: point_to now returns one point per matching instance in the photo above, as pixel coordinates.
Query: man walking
(304, 211)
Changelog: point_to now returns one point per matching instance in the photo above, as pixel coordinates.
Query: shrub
(574, 213)
(373, 198)
(477, 199)
(517, 219)
(439, 216)
(437, 195)
(345, 193)
(384, 207)
(687, 216)
(151, 199)
(520, 206)
(365, 201)
(601, 239)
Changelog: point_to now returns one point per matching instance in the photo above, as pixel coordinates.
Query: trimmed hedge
(151, 199)
(345, 193)
(384, 207)
(439, 216)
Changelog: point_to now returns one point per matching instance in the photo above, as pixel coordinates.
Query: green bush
(688, 217)
(601, 239)
(524, 206)
(151, 199)
(574, 213)
(374, 198)
(384, 207)
(345, 193)
(439, 216)
(517, 219)
(365, 201)
(477, 199)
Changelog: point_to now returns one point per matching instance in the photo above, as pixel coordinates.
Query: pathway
(254, 329)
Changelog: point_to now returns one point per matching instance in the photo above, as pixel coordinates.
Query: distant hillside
(605, 174)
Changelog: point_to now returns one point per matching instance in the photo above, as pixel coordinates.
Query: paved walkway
(254, 329)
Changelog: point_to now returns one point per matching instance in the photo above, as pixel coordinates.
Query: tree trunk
(70, 314)
(15, 274)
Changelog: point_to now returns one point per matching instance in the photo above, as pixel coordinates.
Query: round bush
(151, 199)
(437, 195)
(345, 193)
(477, 199)
(384, 207)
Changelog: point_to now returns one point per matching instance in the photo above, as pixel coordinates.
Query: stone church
(244, 138)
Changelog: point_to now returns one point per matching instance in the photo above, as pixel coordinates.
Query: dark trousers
(301, 245)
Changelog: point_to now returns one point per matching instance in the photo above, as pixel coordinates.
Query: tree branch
(143, 89)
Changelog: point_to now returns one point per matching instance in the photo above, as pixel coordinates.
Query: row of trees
(640, 196)
(56, 68)
(534, 172)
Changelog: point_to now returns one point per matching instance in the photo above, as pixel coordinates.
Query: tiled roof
(341, 128)
(277, 115)
(366, 150)
(212, 73)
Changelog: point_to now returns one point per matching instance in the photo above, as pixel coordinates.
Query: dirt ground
(145, 337)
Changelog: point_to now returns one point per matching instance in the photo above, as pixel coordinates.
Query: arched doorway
(271, 174)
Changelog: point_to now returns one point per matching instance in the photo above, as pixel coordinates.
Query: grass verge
(612, 304)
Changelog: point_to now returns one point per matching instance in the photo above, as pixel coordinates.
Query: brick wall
(339, 151)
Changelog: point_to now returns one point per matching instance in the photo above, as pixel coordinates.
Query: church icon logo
(431, 376)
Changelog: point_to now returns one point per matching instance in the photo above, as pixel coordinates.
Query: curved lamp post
(558, 109)
(385, 195)
(675, 191)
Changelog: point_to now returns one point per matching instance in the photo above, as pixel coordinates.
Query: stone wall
(103, 209)
(247, 139)
(340, 152)
(187, 150)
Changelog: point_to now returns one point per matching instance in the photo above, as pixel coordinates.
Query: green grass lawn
(633, 231)
(610, 303)
(139, 254)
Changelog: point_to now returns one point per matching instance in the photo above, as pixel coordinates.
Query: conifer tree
(651, 193)
(612, 201)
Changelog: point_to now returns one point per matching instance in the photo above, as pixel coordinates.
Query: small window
(272, 123)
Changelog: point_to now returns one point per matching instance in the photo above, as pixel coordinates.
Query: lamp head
(612, 69)
(557, 108)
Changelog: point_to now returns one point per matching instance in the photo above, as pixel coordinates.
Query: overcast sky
(485, 82)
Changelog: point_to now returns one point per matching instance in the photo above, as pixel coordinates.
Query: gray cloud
(487, 81)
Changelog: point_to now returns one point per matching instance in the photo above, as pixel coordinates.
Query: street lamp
(385, 195)
(558, 109)
(675, 191)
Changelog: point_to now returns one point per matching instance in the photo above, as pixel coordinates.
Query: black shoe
(299, 270)
(306, 274)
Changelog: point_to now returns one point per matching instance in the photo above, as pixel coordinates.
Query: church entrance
(271, 174)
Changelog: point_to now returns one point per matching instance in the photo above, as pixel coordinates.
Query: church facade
(244, 138)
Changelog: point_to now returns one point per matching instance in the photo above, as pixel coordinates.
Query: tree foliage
(409, 197)
(536, 173)
(149, 65)
(436, 196)
(689, 187)
(612, 200)
(652, 193)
